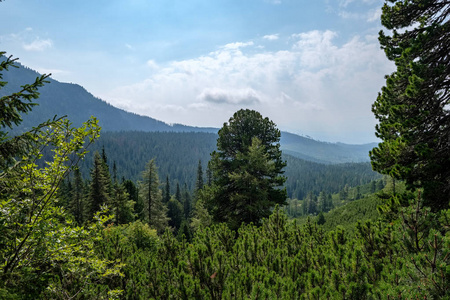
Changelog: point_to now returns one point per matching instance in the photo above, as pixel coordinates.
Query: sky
(313, 67)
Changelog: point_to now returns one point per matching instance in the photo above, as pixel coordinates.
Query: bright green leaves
(38, 240)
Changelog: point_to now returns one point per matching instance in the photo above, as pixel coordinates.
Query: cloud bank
(311, 85)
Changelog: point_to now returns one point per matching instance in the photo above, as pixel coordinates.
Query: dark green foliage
(176, 154)
(348, 214)
(99, 187)
(283, 260)
(122, 206)
(187, 203)
(247, 170)
(199, 182)
(310, 205)
(155, 211)
(321, 219)
(175, 212)
(413, 107)
(306, 176)
(166, 196)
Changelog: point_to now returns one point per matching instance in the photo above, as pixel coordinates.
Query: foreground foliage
(42, 253)
(407, 258)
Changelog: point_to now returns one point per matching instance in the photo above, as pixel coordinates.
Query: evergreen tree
(11, 108)
(373, 187)
(321, 218)
(199, 182)
(133, 195)
(99, 186)
(178, 193)
(149, 192)
(247, 168)
(187, 202)
(122, 206)
(77, 207)
(200, 215)
(208, 175)
(310, 206)
(413, 107)
(166, 197)
(175, 213)
(358, 193)
(324, 202)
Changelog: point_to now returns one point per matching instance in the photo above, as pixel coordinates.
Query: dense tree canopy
(247, 170)
(413, 108)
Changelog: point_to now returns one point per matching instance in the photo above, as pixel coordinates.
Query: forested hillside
(177, 156)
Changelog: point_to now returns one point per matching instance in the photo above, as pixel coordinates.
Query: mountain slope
(322, 152)
(78, 105)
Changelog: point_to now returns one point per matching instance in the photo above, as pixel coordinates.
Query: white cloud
(313, 83)
(271, 37)
(38, 45)
(245, 96)
(237, 45)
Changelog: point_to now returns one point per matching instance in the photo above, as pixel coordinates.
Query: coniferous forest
(86, 214)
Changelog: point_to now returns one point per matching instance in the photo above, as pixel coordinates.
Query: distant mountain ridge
(74, 101)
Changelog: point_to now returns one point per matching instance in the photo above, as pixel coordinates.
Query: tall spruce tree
(187, 202)
(413, 108)
(151, 195)
(199, 182)
(166, 197)
(247, 170)
(99, 186)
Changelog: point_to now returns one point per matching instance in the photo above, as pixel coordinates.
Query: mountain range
(75, 102)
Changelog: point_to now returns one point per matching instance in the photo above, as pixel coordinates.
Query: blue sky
(313, 67)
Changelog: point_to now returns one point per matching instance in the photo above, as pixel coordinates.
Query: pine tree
(99, 187)
(175, 213)
(247, 170)
(133, 195)
(199, 182)
(149, 192)
(187, 202)
(178, 193)
(122, 206)
(413, 108)
(166, 197)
